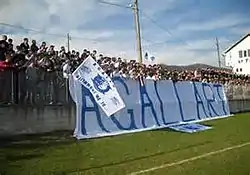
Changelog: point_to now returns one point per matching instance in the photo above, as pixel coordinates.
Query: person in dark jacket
(10, 49)
(3, 48)
(25, 46)
(34, 48)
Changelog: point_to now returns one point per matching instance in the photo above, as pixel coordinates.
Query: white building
(238, 56)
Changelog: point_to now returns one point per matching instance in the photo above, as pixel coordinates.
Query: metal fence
(237, 92)
(34, 86)
(238, 97)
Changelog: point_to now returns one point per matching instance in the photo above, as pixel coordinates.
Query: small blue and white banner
(190, 128)
(91, 75)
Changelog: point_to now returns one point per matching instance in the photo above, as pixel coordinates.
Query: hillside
(193, 67)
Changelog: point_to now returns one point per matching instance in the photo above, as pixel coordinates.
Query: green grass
(59, 154)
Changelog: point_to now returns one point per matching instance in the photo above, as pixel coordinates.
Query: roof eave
(235, 44)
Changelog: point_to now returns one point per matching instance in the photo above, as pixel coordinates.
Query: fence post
(67, 90)
(12, 88)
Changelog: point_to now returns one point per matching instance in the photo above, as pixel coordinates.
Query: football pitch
(223, 150)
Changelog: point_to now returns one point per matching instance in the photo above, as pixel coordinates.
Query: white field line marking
(191, 159)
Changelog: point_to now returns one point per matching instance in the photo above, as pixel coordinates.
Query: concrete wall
(238, 106)
(27, 119)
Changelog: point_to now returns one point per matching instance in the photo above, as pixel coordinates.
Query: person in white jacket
(66, 69)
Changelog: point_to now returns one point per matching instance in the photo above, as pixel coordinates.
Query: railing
(37, 87)
(237, 92)
(33, 86)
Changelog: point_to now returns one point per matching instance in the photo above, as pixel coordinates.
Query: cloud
(185, 44)
(202, 51)
(221, 22)
(240, 30)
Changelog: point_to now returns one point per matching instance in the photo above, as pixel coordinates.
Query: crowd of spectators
(48, 59)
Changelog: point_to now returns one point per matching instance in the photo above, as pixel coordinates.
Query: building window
(237, 70)
(245, 53)
(248, 52)
(239, 61)
(240, 69)
(246, 60)
(240, 53)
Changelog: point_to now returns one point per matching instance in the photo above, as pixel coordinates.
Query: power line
(95, 40)
(113, 4)
(30, 30)
(45, 33)
(132, 7)
(162, 28)
(155, 23)
(146, 16)
(152, 43)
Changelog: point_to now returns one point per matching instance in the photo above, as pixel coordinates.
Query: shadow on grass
(33, 141)
(22, 157)
(165, 129)
(13, 148)
(135, 159)
(10, 158)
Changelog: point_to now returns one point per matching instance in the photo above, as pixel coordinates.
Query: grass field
(223, 150)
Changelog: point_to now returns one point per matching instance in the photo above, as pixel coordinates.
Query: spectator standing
(43, 48)
(93, 54)
(25, 46)
(33, 47)
(62, 51)
(51, 50)
(3, 47)
(19, 57)
(84, 54)
(62, 54)
(66, 69)
(10, 49)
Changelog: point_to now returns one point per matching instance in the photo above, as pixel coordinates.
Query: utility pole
(218, 51)
(138, 30)
(68, 44)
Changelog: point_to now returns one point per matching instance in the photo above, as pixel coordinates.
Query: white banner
(155, 105)
(91, 75)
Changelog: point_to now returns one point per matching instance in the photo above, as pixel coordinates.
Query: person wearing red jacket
(6, 65)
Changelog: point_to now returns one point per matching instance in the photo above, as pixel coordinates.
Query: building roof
(238, 42)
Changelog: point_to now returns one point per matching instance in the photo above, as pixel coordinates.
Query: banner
(154, 105)
(90, 74)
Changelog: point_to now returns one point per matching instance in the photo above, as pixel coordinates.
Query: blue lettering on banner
(85, 109)
(144, 105)
(199, 102)
(161, 103)
(219, 89)
(179, 102)
(132, 125)
(209, 101)
(205, 102)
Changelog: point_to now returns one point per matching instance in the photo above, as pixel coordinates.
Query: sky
(176, 32)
